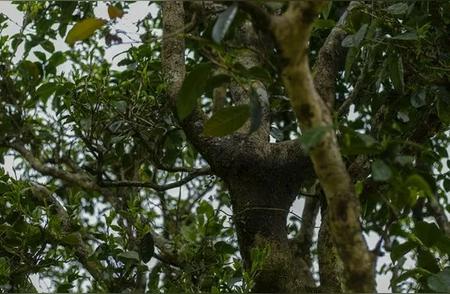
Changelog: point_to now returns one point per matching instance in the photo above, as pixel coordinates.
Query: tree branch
(78, 179)
(155, 186)
(292, 32)
(330, 59)
(82, 250)
(303, 241)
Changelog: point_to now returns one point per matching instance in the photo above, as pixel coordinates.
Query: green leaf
(114, 12)
(400, 250)
(310, 138)
(349, 60)
(64, 288)
(40, 55)
(413, 273)
(193, 87)
(420, 184)
(428, 233)
(408, 36)
(427, 260)
(147, 247)
(46, 90)
(226, 121)
(223, 248)
(397, 8)
(83, 30)
(396, 72)
(440, 282)
(217, 81)
(258, 73)
(223, 23)
(153, 279)
(381, 171)
(72, 239)
(131, 255)
(326, 11)
(324, 23)
(443, 109)
(206, 209)
(48, 46)
(418, 99)
(355, 39)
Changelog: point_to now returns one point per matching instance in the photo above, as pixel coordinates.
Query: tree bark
(261, 203)
(292, 31)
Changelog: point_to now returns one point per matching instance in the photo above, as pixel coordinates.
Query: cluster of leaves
(399, 53)
(118, 125)
(75, 112)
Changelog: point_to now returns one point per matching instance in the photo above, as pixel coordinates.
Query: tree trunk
(260, 208)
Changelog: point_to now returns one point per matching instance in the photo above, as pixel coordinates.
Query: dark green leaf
(153, 279)
(396, 72)
(147, 247)
(206, 209)
(381, 171)
(420, 184)
(408, 36)
(223, 248)
(428, 233)
(414, 273)
(310, 138)
(397, 8)
(258, 73)
(217, 81)
(418, 99)
(355, 39)
(193, 87)
(72, 239)
(226, 121)
(440, 282)
(427, 260)
(48, 46)
(46, 90)
(400, 250)
(132, 255)
(349, 60)
(223, 23)
(40, 55)
(443, 109)
(324, 23)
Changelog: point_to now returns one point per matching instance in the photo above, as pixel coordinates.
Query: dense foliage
(112, 195)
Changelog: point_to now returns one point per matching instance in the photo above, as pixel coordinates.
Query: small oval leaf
(83, 30)
(226, 121)
(193, 87)
(381, 171)
(114, 12)
(223, 23)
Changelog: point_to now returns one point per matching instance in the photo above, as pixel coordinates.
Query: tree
(240, 107)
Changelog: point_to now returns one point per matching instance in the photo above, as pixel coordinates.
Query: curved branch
(82, 180)
(155, 186)
(330, 59)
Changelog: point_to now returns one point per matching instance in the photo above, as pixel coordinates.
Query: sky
(138, 11)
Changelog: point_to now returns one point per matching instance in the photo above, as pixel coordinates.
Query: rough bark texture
(263, 178)
(292, 31)
(330, 266)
